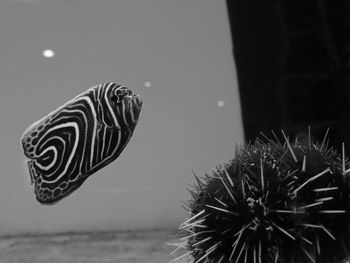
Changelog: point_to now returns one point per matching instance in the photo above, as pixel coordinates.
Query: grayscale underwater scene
(174, 131)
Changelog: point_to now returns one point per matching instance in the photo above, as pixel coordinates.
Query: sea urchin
(274, 202)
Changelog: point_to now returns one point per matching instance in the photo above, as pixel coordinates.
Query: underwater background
(218, 81)
(176, 54)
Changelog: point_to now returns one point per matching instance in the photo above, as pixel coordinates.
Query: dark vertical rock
(293, 65)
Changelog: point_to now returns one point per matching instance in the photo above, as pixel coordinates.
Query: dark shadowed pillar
(293, 66)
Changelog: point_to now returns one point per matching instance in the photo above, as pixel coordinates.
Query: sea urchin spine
(274, 202)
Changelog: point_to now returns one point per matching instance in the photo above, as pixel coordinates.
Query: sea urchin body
(274, 202)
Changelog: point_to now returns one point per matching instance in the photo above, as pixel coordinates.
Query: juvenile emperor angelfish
(79, 138)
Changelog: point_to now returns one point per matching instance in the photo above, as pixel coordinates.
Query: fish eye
(119, 94)
(123, 92)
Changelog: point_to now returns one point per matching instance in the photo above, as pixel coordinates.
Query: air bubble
(221, 103)
(48, 53)
(147, 84)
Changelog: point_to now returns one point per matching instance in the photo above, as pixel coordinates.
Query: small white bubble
(221, 103)
(48, 53)
(147, 84)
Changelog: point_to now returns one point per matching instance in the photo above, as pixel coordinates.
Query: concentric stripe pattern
(79, 138)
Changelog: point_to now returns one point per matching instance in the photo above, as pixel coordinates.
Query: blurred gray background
(176, 53)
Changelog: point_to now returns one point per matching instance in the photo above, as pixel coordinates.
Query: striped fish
(79, 138)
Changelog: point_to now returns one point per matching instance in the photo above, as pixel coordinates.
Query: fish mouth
(137, 100)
